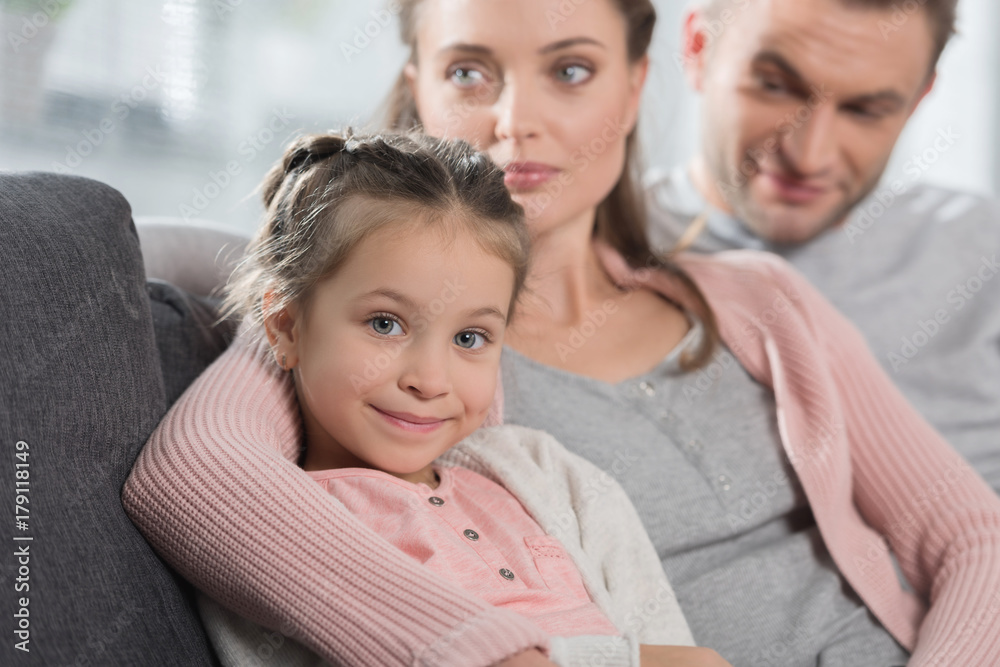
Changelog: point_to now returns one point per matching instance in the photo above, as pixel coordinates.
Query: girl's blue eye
(573, 74)
(385, 326)
(470, 340)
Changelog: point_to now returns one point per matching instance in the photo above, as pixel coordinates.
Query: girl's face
(396, 356)
(544, 86)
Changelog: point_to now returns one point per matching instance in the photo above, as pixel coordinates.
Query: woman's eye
(772, 85)
(385, 326)
(466, 77)
(573, 74)
(470, 340)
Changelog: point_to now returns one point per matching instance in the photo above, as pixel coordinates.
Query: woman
(769, 480)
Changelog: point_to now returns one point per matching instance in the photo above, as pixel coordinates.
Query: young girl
(384, 277)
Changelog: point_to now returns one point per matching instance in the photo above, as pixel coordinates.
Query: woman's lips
(410, 422)
(794, 190)
(528, 175)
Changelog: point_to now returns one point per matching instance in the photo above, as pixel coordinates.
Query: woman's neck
(566, 280)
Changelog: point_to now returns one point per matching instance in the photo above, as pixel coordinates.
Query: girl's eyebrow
(399, 297)
(489, 311)
(393, 295)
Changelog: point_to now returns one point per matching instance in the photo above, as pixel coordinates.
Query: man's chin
(784, 227)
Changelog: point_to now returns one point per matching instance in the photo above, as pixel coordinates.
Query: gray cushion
(195, 256)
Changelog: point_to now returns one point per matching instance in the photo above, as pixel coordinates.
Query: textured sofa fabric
(80, 383)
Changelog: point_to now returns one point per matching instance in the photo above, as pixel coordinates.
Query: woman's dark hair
(622, 217)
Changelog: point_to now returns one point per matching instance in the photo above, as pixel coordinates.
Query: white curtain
(184, 104)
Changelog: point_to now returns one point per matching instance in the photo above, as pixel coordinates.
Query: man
(802, 103)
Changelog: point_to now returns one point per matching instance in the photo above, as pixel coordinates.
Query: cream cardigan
(215, 493)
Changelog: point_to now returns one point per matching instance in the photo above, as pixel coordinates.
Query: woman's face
(544, 86)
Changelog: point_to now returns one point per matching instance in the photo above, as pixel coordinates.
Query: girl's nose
(426, 372)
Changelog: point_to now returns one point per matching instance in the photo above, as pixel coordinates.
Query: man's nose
(810, 145)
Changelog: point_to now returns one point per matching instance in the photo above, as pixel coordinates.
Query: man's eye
(773, 85)
(385, 326)
(470, 340)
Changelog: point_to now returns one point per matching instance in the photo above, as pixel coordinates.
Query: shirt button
(506, 574)
(434, 500)
(471, 534)
(647, 388)
(725, 482)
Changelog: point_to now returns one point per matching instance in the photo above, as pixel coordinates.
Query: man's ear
(695, 48)
(923, 93)
(281, 326)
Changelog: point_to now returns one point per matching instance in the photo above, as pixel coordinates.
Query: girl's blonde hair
(330, 191)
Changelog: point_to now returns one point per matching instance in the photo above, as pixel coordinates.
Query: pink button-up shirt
(474, 532)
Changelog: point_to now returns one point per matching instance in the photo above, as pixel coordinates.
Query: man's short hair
(940, 12)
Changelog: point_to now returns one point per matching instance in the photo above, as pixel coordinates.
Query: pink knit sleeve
(216, 495)
(939, 517)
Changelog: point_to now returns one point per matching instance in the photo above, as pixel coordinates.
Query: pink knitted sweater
(213, 488)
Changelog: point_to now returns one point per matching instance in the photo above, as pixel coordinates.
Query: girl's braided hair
(330, 191)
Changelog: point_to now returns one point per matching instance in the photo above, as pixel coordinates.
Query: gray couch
(90, 359)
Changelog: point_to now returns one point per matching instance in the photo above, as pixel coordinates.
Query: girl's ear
(282, 328)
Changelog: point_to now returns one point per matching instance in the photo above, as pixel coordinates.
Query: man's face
(803, 101)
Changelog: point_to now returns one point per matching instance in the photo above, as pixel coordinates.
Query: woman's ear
(637, 81)
(281, 326)
(410, 74)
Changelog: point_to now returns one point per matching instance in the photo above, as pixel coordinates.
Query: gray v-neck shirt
(700, 457)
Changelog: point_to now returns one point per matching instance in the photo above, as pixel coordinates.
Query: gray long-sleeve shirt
(917, 272)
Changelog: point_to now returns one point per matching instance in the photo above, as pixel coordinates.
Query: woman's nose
(519, 111)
